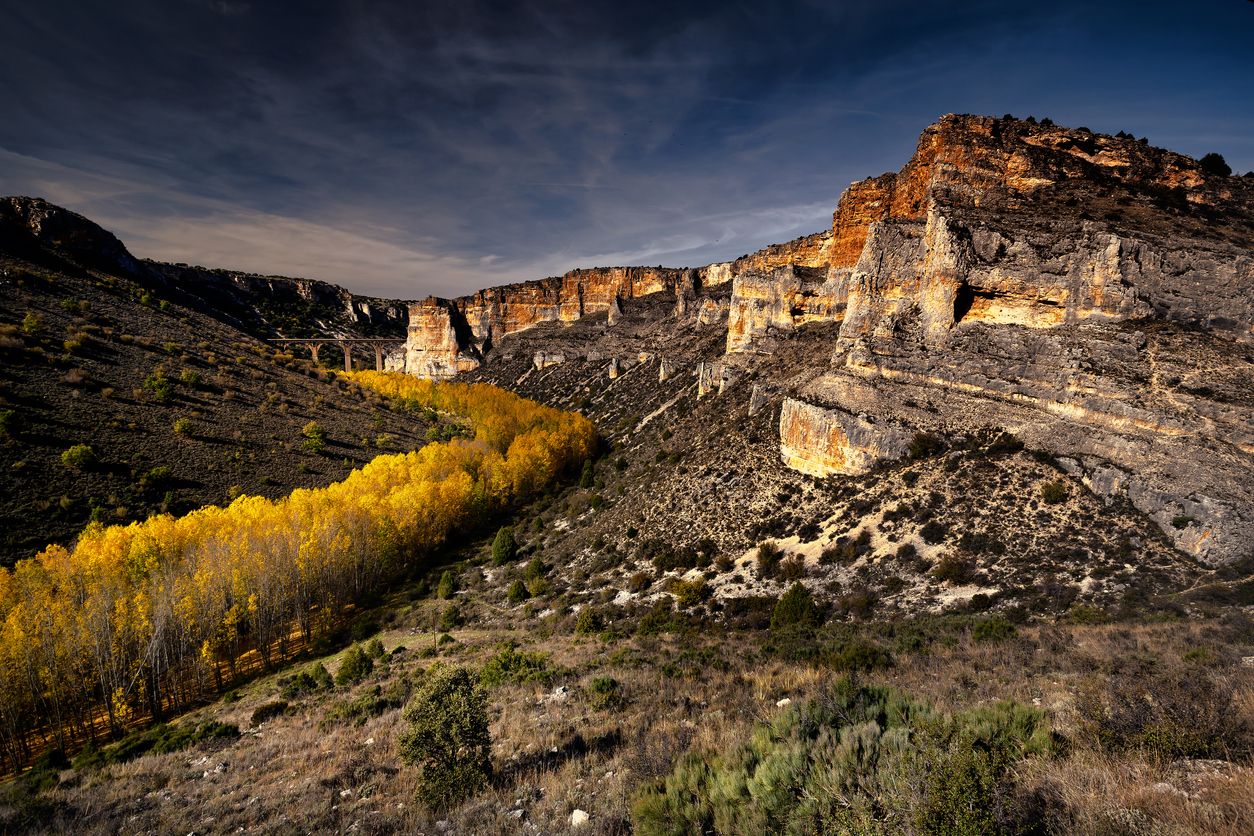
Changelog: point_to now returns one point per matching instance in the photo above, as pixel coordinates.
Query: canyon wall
(1091, 294)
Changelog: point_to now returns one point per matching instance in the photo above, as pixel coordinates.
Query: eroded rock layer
(1092, 295)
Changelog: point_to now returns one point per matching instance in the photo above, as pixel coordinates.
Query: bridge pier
(313, 349)
(348, 355)
(378, 357)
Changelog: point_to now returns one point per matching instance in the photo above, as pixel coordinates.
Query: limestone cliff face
(1090, 294)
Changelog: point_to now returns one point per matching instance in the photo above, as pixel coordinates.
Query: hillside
(935, 521)
(98, 350)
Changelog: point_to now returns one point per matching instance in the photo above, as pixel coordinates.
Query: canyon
(1090, 294)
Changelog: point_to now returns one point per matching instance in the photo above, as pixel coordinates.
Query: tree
(518, 592)
(448, 737)
(795, 609)
(586, 477)
(504, 547)
(1215, 164)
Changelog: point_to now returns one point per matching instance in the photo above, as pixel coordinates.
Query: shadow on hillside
(574, 748)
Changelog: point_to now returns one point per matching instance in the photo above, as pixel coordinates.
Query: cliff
(1091, 294)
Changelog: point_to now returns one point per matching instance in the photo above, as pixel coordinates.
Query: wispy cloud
(411, 148)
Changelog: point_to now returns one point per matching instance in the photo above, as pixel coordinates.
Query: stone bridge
(346, 345)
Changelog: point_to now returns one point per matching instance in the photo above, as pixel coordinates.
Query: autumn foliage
(140, 620)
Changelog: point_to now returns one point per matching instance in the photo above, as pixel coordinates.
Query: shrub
(316, 678)
(605, 693)
(1054, 493)
(79, 457)
(182, 426)
(517, 592)
(189, 378)
(535, 569)
(769, 557)
(159, 386)
(370, 704)
(954, 569)
(992, 629)
(859, 655)
(354, 667)
(1181, 521)
(792, 569)
(1187, 712)
(934, 532)
(447, 586)
(450, 617)
(374, 649)
(795, 609)
(639, 582)
(268, 711)
(687, 593)
(315, 438)
(586, 477)
(32, 324)
(8, 423)
(856, 759)
(447, 737)
(588, 621)
(1215, 164)
(513, 665)
(504, 547)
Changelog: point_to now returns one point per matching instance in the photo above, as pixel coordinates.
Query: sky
(411, 148)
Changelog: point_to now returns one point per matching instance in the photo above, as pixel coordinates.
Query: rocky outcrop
(779, 301)
(827, 442)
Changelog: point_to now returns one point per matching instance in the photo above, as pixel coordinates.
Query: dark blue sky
(407, 148)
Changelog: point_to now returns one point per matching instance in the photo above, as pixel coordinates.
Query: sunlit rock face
(827, 442)
(1090, 294)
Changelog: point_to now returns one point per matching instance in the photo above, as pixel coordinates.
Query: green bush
(161, 738)
(517, 592)
(447, 585)
(795, 609)
(859, 654)
(992, 629)
(354, 667)
(447, 737)
(855, 759)
(374, 649)
(80, 457)
(32, 324)
(8, 423)
(504, 547)
(589, 621)
(451, 617)
(159, 386)
(370, 704)
(586, 477)
(513, 665)
(605, 693)
(316, 678)
(182, 426)
(954, 569)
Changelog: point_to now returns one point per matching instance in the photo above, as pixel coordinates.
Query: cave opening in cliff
(963, 300)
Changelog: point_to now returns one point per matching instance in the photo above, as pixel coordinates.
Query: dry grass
(553, 752)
